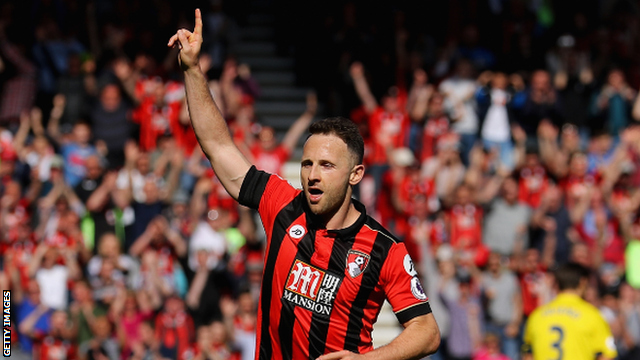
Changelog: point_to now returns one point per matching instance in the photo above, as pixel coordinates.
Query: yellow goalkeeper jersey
(568, 328)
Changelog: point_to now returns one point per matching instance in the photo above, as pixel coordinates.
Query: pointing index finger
(198, 28)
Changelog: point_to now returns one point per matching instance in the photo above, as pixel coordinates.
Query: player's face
(325, 171)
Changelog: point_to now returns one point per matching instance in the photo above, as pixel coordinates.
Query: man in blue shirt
(30, 310)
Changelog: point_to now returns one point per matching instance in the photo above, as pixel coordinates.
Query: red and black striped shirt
(322, 290)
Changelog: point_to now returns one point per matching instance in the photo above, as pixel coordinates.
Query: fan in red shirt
(436, 126)
(575, 184)
(182, 131)
(68, 236)
(8, 157)
(19, 252)
(423, 227)
(201, 348)
(209, 193)
(387, 122)
(14, 209)
(533, 180)
(390, 205)
(244, 128)
(464, 221)
(174, 328)
(159, 248)
(269, 155)
(402, 184)
(158, 112)
(598, 227)
(211, 343)
(249, 255)
(532, 275)
(58, 343)
(68, 233)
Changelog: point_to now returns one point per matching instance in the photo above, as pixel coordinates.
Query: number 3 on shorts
(558, 344)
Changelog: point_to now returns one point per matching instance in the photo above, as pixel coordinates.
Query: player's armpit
(230, 166)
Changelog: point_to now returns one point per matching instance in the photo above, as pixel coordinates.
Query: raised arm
(298, 128)
(53, 127)
(127, 76)
(208, 123)
(635, 112)
(362, 87)
(22, 133)
(580, 208)
(421, 104)
(28, 325)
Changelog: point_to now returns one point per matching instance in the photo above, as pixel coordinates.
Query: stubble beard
(329, 204)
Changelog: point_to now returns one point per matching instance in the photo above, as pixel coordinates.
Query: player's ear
(357, 173)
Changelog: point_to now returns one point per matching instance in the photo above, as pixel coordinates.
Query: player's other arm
(421, 335)
(228, 163)
(419, 338)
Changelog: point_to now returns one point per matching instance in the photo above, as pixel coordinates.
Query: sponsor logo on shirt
(357, 261)
(311, 288)
(297, 231)
(408, 266)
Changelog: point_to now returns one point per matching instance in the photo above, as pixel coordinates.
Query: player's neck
(344, 217)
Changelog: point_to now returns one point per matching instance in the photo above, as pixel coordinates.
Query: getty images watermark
(6, 323)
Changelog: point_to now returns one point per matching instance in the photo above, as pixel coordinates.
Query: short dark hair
(343, 128)
(568, 276)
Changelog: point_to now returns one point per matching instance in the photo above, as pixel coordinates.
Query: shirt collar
(565, 295)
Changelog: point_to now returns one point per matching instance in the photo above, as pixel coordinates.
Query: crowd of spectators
(117, 240)
(497, 148)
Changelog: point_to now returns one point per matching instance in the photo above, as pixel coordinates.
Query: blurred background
(502, 139)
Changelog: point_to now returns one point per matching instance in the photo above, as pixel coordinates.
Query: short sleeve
(402, 286)
(603, 341)
(266, 193)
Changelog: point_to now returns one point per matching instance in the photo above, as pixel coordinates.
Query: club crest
(357, 262)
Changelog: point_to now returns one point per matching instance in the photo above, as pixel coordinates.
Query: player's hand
(189, 44)
(341, 355)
